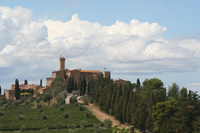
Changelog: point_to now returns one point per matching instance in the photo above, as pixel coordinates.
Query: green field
(32, 118)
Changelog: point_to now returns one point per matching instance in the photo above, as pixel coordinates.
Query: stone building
(119, 81)
(36, 89)
(77, 74)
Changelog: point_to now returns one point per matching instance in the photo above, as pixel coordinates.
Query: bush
(88, 114)
(83, 124)
(27, 102)
(47, 97)
(32, 99)
(41, 110)
(58, 125)
(80, 108)
(23, 128)
(60, 99)
(45, 129)
(39, 105)
(108, 123)
(44, 116)
(38, 100)
(1, 113)
(16, 102)
(21, 110)
(73, 99)
(97, 128)
(75, 93)
(1, 127)
(21, 117)
(10, 102)
(61, 108)
(65, 115)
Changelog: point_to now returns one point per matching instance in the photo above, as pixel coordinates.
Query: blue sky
(170, 49)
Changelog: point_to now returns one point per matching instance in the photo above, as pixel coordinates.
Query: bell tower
(62, 63)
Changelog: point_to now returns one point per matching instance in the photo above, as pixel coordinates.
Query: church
(77, 74)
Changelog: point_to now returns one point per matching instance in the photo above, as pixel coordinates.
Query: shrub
(27, 102)
(75, 93)
(88, 114)
(60, 99)
(44, 116)
(65, 115)
(41, 110)
(97, 128)
(32, 99)
(39, 105)
(1, 113)
(76, 104)
(45, 129)
(10, 102)
(21, 117)
(38, 100)
(80, 108)
(108, 123)
(21, 110)
(16, 102)
(47, 97)
(58, 125)
(1, 127)
(83, 124)
(61, 108)
(73, 99)
(23, 128)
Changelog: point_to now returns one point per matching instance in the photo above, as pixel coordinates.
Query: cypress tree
(40, 82)
(84, 85)
(17, 89)
(25, 82)
(138, 82)
(75, 86)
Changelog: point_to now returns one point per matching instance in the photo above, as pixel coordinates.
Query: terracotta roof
(84, 71)
(25, 87)
(49, 78)
(43, 88)
(118, 80)
(90, 71)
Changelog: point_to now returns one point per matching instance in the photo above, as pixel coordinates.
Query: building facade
(77, 74)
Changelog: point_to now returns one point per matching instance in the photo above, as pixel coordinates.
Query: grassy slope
(32, 117)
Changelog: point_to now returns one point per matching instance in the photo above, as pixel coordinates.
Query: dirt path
(101, 115)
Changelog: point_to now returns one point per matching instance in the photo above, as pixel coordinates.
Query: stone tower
(106, 74)
(62, 63)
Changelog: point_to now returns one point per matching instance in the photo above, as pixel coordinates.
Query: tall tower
(62, 63)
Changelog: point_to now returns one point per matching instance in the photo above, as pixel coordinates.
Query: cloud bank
(30, 48)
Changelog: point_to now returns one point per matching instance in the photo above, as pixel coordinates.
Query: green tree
(138, 82)
(173, 91)
(40, 82)
(25, 82)
(17, 89)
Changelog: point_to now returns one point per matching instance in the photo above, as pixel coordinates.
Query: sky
(132, 38)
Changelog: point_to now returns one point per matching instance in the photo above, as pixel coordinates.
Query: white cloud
(33, 47)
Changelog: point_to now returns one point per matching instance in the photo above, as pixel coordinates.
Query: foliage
(119, 129)
(73, 99)
(57, 86)
(65, 115)
(61, 98)
(33, 117)
(46, 97)
(44, 116)
(40, 82)
(61, 108)
(97, 128)
(58, 125)
(39, 105)
(1, 113)
(17, 89)
(23, 128)
(108, 123)
(25, 82)
(173, 91)
(21, 117)
(83, 124)
(25, 93)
